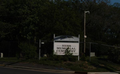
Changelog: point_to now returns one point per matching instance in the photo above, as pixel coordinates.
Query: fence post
(39, 49)
(90, 51)
(53, 43)
(79, 47)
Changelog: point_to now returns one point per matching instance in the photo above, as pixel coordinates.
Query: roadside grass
(104, 63)
(9, 59)
(97, 64)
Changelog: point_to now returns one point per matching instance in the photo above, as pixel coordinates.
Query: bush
(28, 50)
(83, 57)
(114, 55)
(62, 58)
(67, 57)
(67, 52)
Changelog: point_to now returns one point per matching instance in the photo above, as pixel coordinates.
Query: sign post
(79, 47)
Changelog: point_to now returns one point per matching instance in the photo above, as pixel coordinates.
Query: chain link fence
(101, 50)
(10, 49)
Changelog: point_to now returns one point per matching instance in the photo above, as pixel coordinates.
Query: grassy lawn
(95, 65)
(9, 59)
(105, 64)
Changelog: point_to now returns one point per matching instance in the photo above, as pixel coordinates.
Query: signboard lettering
(59, 48)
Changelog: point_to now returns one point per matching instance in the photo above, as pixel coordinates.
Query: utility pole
(85, 30)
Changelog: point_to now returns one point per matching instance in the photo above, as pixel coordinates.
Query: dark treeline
(29, 20)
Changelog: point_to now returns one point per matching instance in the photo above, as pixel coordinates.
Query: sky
(114, 1)
(111, 1)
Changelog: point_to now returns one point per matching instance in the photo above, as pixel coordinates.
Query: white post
(79, 47)
(53, 42)
(1, 54)
(54, 36)
(90, 51)
(39, 49)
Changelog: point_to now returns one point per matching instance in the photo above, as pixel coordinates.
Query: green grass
(102, 63)
(95, 65)
(9, 59)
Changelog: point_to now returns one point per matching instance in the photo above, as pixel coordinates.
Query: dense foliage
(40, 19)
(23, 19)
(28, 51)
(30, 20)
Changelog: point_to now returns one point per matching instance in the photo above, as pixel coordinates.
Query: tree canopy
(28, 19)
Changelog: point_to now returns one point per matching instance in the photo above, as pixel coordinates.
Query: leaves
(24, 20)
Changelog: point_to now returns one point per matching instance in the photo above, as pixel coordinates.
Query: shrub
(114, 55)
(67, 57)
(67, 52)
(28, 50)
(83, 57)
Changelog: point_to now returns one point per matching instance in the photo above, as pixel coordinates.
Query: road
(4, 70)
